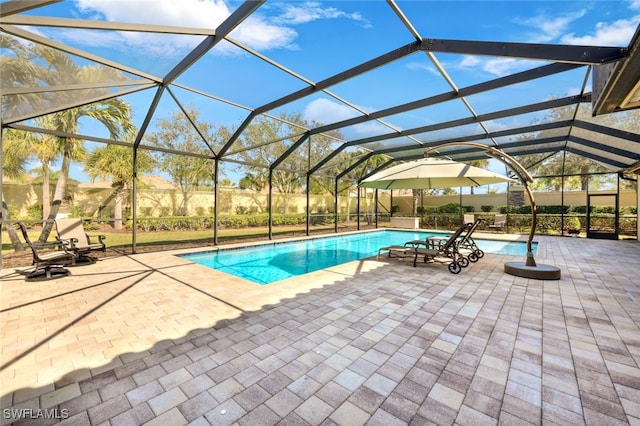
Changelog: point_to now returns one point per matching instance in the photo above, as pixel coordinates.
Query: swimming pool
(276, 261)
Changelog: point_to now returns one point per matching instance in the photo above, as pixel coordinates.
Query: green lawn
(123, 239)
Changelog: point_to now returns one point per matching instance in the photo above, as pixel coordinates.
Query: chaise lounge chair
(466, 244)
(47, 263)
(434, 250)
(72, 236)
(500, 222)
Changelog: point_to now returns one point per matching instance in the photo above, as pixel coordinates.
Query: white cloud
(497, 66)
(470, 61)
(293, 14)
(502, 66)
(371, 128)
(617, 33)
(261, 35)
(495, 126)
(323, 110)
(424, 67)
(548, 28)
(257, 31)
(551, 28)
(197, 13)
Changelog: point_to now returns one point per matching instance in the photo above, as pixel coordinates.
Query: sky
(319, 39)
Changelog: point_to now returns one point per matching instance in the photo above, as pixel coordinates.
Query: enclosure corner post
(216, 191)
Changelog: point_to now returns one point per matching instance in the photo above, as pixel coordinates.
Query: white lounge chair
(499, 223)
(72, 236)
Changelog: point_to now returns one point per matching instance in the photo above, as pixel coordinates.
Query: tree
(551, 171)
(267, 139)
(324, 181)
(45, 149)
(365, 168)
(177, 134)
(480, 163)
(14, 157)
(46, 67)
(251, 181)
(576, 168)
(115, 163)
(416, 193)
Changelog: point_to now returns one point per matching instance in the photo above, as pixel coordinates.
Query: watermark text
(35, 413)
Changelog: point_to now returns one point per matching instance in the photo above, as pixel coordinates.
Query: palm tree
(14, 157)
(115, 163)
(45, 149)
(18, 70)
(416, 193)
(55, 69)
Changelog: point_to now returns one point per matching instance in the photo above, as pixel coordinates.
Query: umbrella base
(538, 272)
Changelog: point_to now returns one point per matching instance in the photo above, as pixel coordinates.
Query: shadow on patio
(152, 337)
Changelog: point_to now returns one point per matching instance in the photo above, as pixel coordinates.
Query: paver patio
(153, 338)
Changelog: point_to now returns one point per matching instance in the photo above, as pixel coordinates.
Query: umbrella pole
(528, 269)
(534, 220)
(461, 212)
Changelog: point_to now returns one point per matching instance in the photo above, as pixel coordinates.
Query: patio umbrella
(432, 173)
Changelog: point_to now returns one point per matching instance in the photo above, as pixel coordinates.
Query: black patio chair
(48, 262)
(442, 251)
(466, 244)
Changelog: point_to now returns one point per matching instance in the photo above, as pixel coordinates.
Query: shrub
(515, 209)
(90, 225)
(450, 208)
(34, 212)
(486, 209)
(553, 209)
(603, 209)
(76, 211)
(525, 209)
(628, 226)
(578, 209)
(571, 223)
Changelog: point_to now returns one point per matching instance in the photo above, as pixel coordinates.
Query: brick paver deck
(153, 339)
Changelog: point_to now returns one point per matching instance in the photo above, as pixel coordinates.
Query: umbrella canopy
(432, 173)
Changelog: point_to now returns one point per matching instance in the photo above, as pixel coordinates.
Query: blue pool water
(268, 263)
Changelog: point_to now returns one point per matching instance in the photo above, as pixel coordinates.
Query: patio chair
(466, 243)
(434, 250)
(47, 264)
(500, 222)
(469, 218)
(72, 236)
